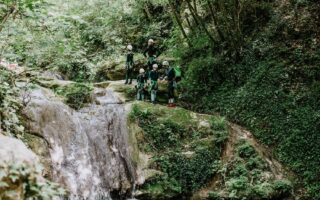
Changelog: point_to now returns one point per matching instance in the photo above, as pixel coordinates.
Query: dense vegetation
(256, 62)
(190, 158)
(270, 83)
(9, 105)
(170, 141)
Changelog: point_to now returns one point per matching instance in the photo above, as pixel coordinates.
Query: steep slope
(195, 156)
(272, 88)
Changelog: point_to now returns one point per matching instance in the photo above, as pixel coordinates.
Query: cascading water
(89, 148)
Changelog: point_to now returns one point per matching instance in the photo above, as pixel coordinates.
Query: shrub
(76, 94)
(283, 188)
(191, 173)
(218, 123)
(34, 186)
(263, 191)
(237, 185)
(9, 105)
(245, 150)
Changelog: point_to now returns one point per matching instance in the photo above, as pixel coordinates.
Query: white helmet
(129, 47)
(155, 66)
(141, 70)
(150, 41)
(165, 63)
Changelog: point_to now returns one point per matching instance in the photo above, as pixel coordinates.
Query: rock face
(89, 148)
(14, 153)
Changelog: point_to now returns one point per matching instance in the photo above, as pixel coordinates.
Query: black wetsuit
(171, 82)
(129, 67)
(151, 53)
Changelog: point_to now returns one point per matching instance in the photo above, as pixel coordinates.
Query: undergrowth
(76, 95)
(186, 166)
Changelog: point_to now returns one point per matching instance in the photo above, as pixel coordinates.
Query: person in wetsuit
(151, 53)
(129, 64)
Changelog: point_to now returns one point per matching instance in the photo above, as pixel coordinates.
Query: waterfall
(89, 148)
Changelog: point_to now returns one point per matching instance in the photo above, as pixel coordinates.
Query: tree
(12, 8)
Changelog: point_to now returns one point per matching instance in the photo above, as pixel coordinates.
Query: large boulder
(21, 173)
(114, 69)
(15, 151)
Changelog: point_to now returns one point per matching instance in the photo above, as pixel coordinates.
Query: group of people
(147, 80)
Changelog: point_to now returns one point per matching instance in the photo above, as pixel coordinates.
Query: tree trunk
(147, 12)
(215, 21)
(178, 20)
(199, 21)
(189, 23)
(6, 17)
(195, 5)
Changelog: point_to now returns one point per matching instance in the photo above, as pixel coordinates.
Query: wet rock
(89, 148)
(15, 151)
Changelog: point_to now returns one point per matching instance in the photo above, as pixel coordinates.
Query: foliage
(191, 173)
(76, 94)
(245, 150)
(221, 135)
(33, 186)
(271, 87)
(163, 186)
(160, 134)
(74, 37)
(218, 123)
(186, 163)
(189, 161)
(247, 176)
(9, 105)
(11, 9)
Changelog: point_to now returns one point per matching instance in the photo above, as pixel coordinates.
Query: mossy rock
(198, 160)
(104, 84)
(175, 138)
(41, 148)
(114, 70)
(76, 95)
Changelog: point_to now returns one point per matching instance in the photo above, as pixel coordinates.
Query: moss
(76, 95)
(128, 90)
(182, 149)
(179, 115)
(40, 146)
(162, 187)
(134, 132)
(191, 154)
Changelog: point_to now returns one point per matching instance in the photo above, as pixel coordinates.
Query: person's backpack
(177, 73)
